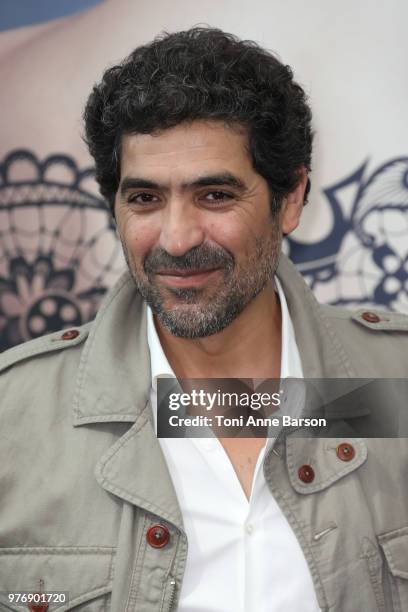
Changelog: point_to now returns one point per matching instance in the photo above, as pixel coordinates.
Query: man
(202, 146)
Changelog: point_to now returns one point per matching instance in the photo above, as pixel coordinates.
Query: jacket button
(70, 334)
(371, 317)
(306, 473)
(345, 451)
(158, 536)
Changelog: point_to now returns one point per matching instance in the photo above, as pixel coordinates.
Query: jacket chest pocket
(82, 574)
(395, 548)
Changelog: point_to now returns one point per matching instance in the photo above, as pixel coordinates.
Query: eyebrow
(219, 180)
(225, 178)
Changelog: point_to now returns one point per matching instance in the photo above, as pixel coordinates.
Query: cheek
(237, 236)
(139, 237)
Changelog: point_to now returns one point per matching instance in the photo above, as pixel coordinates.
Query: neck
(250, 347)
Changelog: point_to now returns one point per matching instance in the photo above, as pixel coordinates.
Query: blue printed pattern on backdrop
(59, 251)
(364, 259)
(58, 247)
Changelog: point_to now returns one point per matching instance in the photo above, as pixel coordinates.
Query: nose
(181, 229)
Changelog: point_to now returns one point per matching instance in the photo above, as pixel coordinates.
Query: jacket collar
(113, 379)
(321, 350)
(113, 382)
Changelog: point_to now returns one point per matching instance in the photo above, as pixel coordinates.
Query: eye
(142, 198)
(217, 196)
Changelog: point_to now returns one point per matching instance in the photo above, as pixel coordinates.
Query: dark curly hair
(202, 73)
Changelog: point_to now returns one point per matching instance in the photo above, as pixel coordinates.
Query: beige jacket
(82, 476)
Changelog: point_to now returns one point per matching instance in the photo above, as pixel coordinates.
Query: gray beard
(195, 316)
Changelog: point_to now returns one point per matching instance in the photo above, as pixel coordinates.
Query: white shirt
(243, 556)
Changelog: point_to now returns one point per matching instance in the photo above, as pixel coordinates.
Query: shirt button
(249, 528)
(345, 451)
(306, 473)
(158, 536)
(70, 334)
(371, 317)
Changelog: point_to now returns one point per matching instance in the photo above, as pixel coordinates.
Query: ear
(292, 205)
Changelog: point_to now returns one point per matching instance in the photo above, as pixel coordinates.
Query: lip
(185, 278)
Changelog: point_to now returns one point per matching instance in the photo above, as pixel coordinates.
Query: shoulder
(40, 368)
(375, 339)
(35, 352)
(371, 319)
(37, 384)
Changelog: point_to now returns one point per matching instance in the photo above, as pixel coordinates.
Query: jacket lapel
(135, 469)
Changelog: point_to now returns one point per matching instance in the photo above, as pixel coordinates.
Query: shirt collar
(291, 365)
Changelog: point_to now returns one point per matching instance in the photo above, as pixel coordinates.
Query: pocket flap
(82, 573)
(395, 547)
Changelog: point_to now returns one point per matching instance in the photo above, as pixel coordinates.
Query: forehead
(186, 149)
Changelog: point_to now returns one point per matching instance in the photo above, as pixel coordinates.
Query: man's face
(196, 226)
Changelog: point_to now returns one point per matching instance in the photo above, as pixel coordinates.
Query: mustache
(202, 257)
